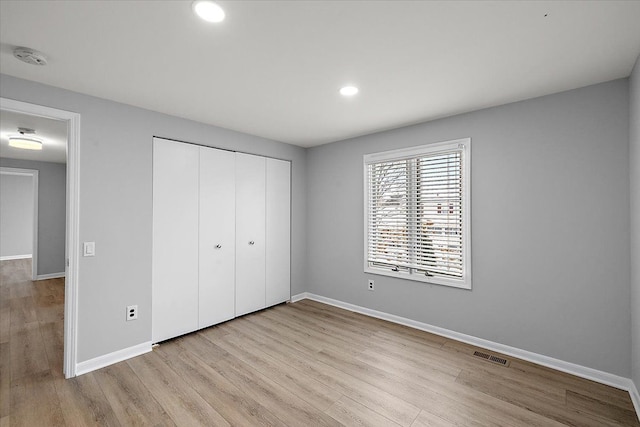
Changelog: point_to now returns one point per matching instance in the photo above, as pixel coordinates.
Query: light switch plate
(89, 249)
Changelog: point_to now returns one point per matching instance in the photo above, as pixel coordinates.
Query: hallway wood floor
(302, 364)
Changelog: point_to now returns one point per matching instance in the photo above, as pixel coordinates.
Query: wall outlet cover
(132, 312)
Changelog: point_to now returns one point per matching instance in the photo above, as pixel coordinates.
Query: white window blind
(417, 219)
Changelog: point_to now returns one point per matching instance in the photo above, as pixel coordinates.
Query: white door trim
(33, 173)
(73, 220)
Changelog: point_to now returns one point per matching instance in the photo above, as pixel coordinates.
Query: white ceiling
(274, 68)
(52, 132)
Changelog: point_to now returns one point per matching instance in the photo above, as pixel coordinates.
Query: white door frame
(34, 183)
(73, 220)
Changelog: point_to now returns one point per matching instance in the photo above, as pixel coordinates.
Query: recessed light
(348, 91)
(208, 10)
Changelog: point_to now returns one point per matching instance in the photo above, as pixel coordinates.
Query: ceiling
(274, 68)
(52, 132)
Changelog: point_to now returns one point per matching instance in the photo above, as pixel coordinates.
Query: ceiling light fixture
(348, 91)
(25, 140)
(208, 10)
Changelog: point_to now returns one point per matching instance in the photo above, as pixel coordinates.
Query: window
(417, 216)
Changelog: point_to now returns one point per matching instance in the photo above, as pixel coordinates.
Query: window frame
(463, 144)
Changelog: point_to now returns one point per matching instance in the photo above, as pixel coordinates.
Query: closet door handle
(252, 242)
(218, 246)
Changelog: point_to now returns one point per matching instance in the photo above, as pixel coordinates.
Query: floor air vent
(490, 358)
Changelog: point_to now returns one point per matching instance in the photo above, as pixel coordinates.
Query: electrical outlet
(370, 285)
(132, 312)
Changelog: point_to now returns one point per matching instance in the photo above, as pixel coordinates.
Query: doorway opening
(68, 267)
(19, 215)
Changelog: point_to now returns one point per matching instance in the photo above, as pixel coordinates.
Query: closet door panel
(217, 236)
(175, 239)
(250, 233)
(278, 231)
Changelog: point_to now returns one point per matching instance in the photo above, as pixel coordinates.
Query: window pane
(439, 199)
(388, 215)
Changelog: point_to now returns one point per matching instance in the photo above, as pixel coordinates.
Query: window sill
(461, 284)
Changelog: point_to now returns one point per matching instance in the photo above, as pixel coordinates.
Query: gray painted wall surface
(550, 237)
(16, 215)
(550, 221)
(52, 193)
(116, 208)
(634, 156)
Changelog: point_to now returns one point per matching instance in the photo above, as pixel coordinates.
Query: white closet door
(250, 233)
(175, 239)
(217, 236)
(278, 267)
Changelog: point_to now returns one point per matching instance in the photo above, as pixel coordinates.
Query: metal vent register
(491, 358)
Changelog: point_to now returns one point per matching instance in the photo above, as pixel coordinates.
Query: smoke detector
(30, 56)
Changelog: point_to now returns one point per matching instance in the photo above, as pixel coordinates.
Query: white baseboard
(111, 358)
(560, 365)
(301, 296)
(12, 257)
(50, 276)
(635, 397)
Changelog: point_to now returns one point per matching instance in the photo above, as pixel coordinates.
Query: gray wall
(550, 237)
(52, 190)
(634, 156)
(16, 215)
(550, 221)
(116, 209)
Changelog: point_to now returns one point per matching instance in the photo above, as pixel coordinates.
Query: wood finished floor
(302, 364)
